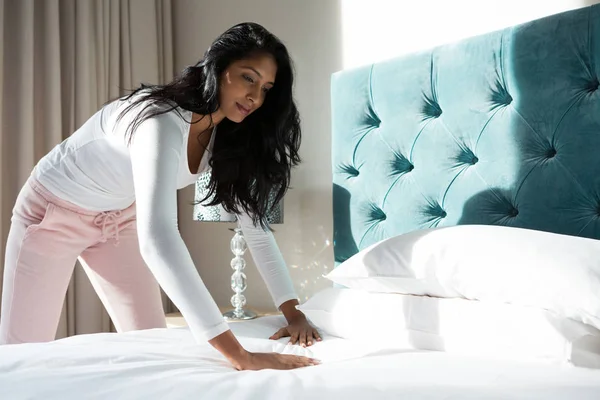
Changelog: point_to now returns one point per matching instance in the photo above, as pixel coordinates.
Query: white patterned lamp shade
(238, 245)
(217, 213)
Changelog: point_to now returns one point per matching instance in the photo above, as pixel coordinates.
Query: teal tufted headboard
(501, 129)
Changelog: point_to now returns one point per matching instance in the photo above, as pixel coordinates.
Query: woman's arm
(155, 151)
(290, 312)
(272, 267)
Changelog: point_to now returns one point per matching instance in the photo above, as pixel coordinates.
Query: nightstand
(176, 320)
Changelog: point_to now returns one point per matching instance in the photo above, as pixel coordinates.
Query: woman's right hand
(244, 360)
(257, 361)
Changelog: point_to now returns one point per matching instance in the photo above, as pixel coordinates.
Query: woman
(107, 195)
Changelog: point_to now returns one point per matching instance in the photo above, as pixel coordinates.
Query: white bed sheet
(167, 364)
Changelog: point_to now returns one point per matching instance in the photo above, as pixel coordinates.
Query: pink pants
(47, 236)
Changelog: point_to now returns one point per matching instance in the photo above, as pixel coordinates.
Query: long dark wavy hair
(251, 161)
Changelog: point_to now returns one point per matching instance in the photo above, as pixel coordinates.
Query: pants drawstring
(105, 220)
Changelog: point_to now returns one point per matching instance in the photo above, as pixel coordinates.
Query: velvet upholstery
(502, 128)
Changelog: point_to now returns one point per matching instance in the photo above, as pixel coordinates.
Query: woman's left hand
(300, 332)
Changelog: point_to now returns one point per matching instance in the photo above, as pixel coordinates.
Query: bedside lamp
(238, 245)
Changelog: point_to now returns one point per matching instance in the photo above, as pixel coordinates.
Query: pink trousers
(47, 236)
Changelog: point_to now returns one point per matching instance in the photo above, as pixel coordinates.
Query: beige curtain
(61, 60)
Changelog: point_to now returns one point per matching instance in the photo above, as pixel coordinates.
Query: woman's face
(244, 86)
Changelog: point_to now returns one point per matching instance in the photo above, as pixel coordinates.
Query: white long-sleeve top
(96, 169)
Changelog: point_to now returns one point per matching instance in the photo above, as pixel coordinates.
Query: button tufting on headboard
(593, 85)
(466, 156)
(500, 96)
(435, 210)
(371, 119)
(376, 214)
(400, 165)
(431, 108)
(351, 171)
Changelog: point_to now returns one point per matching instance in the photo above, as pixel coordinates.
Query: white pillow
(555, 272)
(456, 326)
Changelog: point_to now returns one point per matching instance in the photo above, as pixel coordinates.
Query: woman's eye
(246, 77)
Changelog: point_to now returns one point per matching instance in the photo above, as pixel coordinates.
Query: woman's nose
(254, 95)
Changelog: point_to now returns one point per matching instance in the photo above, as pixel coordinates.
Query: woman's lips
(243, 110)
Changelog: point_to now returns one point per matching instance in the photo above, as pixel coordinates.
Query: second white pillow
(456, 326)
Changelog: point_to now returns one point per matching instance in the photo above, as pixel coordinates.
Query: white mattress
(167, 364)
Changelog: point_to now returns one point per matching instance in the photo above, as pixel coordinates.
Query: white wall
(311, 29)
(323, 36)
(376, 30)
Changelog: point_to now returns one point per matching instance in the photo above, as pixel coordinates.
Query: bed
(501, 129)
(167, 364)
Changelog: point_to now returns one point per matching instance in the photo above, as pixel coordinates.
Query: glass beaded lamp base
(246, 314)
(238, 279)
